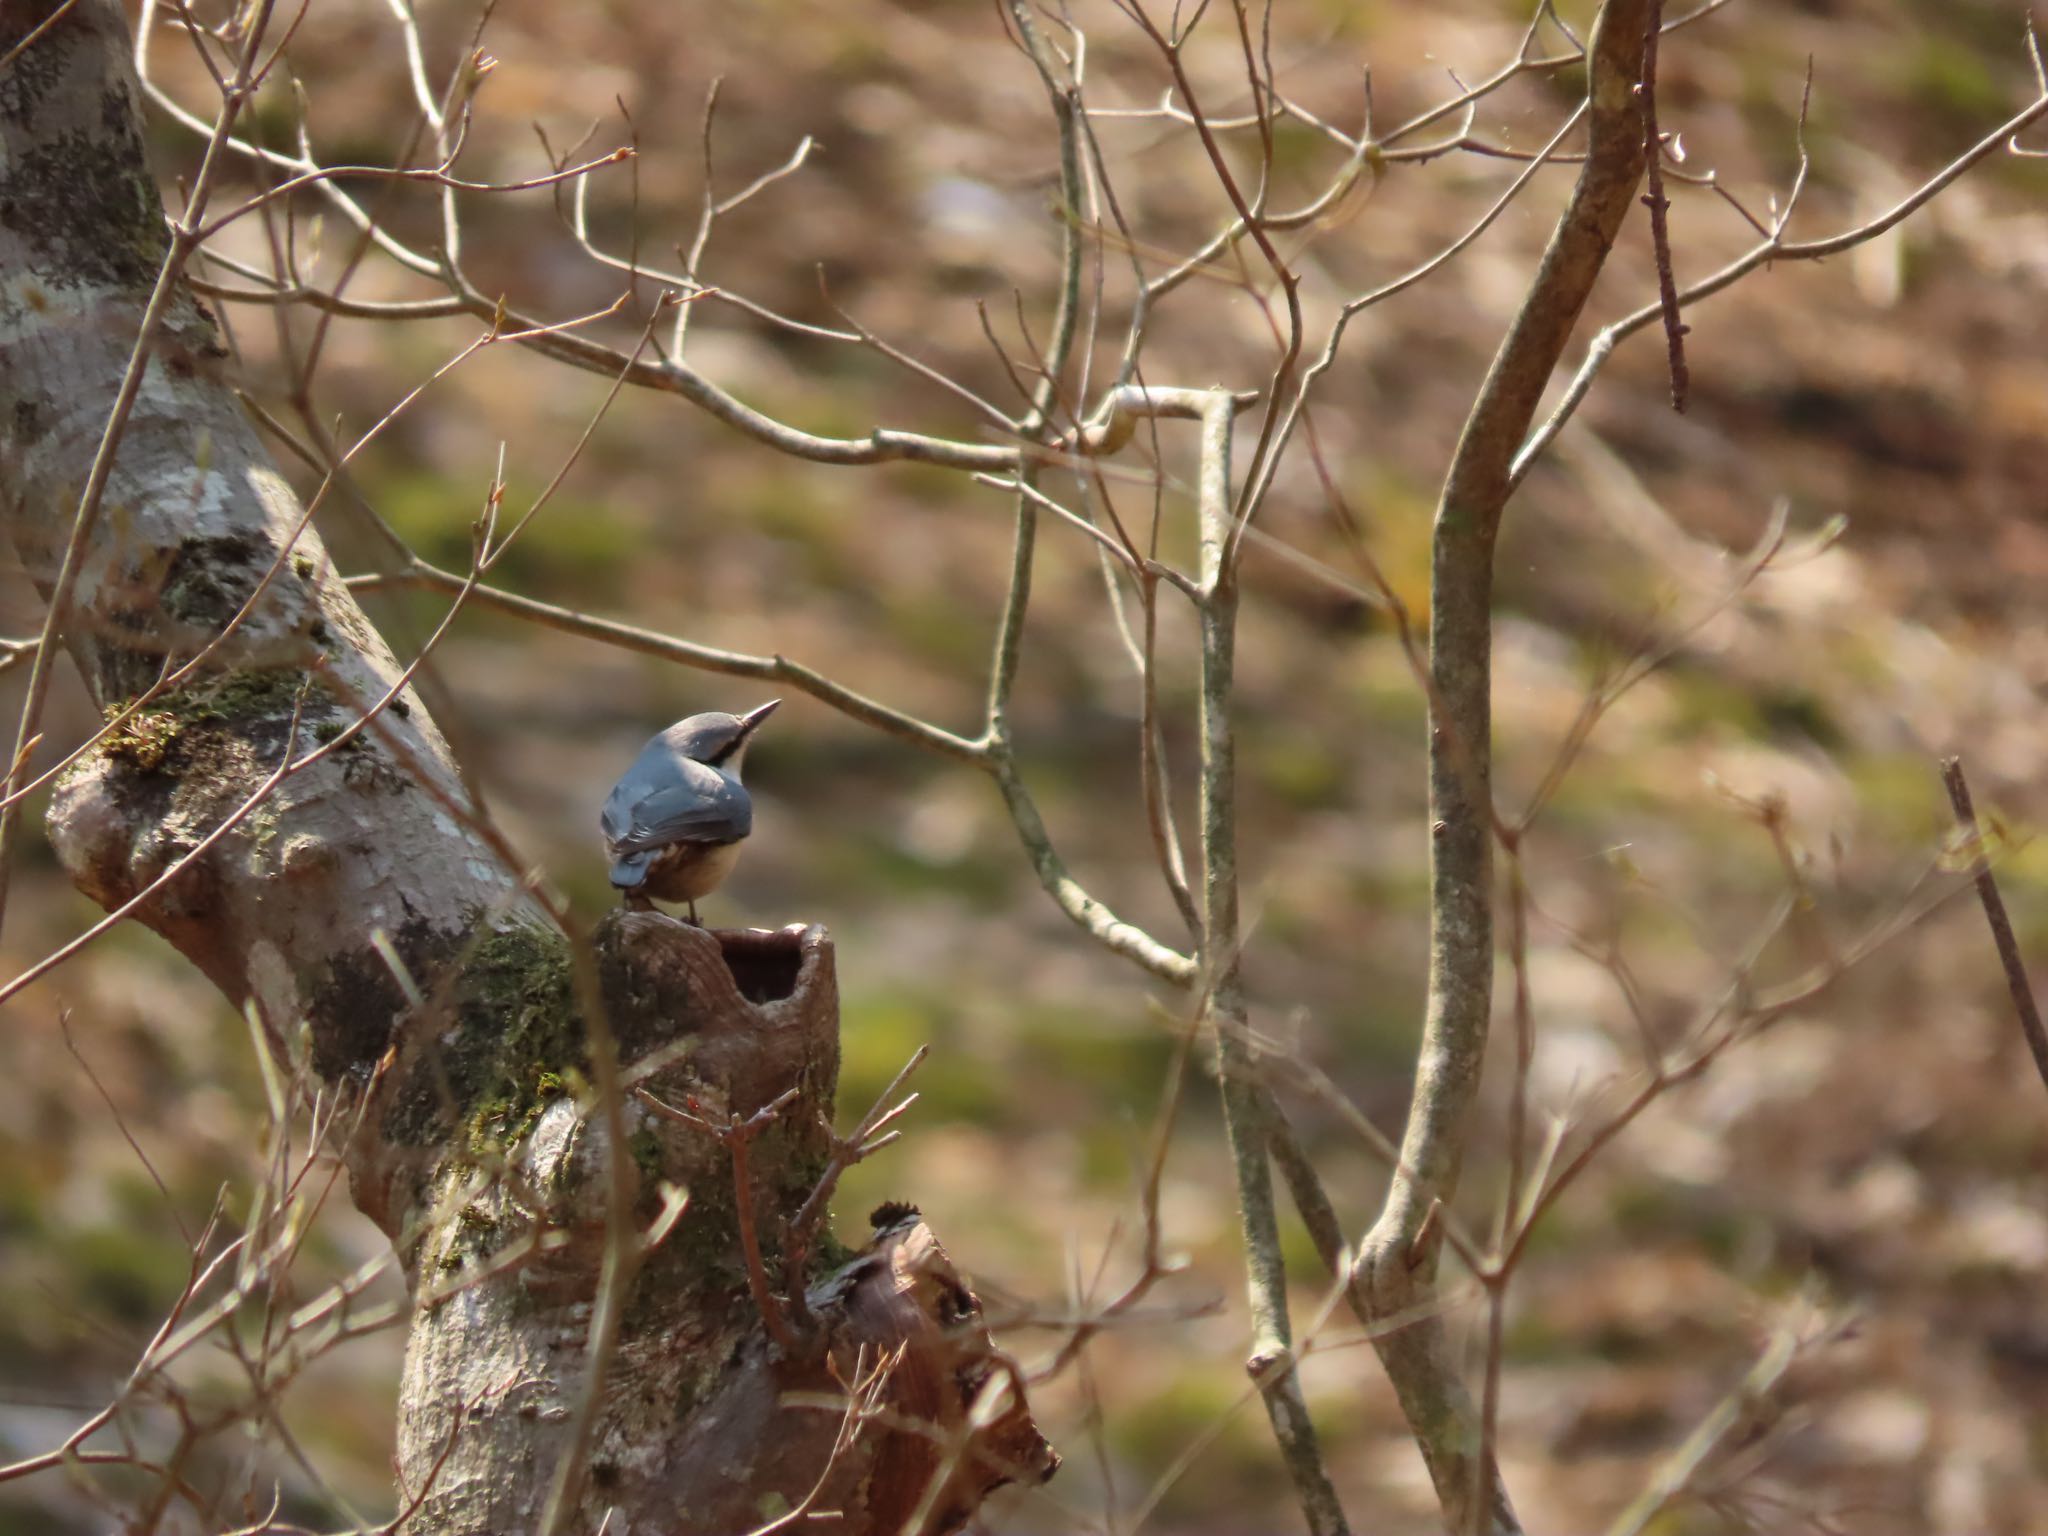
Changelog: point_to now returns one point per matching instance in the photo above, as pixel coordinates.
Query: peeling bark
(706, 1424)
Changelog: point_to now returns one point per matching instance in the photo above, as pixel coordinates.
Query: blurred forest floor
(1874, 1164)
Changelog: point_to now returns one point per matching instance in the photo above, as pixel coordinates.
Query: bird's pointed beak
(755, 716)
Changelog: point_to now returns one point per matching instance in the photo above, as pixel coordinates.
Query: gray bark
(697, 1430)
(1396, 1269)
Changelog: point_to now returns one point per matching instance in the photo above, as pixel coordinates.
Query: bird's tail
(629, 871)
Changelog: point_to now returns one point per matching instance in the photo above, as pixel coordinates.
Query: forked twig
(869, 1137)
(736, 1135)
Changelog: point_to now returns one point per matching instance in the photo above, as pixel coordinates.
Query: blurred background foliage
(1876, 1160)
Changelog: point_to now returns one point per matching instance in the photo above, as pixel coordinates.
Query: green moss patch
(517, 1041)
(144, 738)
(160, 738)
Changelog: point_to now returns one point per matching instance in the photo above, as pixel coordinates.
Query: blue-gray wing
(675, 800)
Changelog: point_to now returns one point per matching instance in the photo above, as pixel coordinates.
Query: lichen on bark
(79, 192)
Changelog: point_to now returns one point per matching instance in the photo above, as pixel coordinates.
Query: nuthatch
(673, 825)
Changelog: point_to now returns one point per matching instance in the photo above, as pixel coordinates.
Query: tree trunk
(391, 953)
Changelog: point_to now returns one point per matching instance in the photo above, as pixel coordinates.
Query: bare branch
(647, 642)
(1660, 210)
(1248, 1113)
(1398, 1256)
(2009, 958)
(1774, 249)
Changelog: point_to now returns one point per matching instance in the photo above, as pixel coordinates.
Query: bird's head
(717, 739)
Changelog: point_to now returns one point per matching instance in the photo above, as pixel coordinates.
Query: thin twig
(1660, 211)
(35, 34)
(868, 1138)
(1765, 253)
(1672, 1477)
(1994, 913)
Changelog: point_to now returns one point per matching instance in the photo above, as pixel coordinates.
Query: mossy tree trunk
(355, 883)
